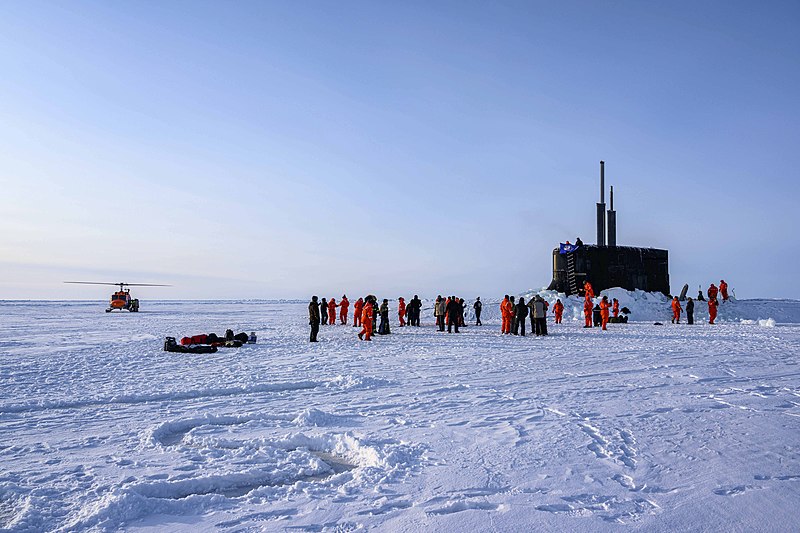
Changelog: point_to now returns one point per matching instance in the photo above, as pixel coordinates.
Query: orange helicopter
(121, 300)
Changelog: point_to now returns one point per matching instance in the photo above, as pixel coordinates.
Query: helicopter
(121, 300)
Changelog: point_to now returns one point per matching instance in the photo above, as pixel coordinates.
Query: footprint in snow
(737, 490)
(463, 505)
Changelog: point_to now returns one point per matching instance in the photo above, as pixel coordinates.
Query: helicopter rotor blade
(128, 284)
(91, 283)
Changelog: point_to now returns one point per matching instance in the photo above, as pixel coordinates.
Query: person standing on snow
(358, 307)
(713, 304)
(513, 317)
(375, 311)
(332, 312)
(530, 305)
(521, 315)
(690, 311)
(558, 310)
(383, 329)
(587, 312)
(366, 321)
(540, 316)
(453, 312)
(723, 290)
(478, 306)
(505, 312)
(401, 310)
(676, 311)
(313, 318)
(414, 309)
(323, 309)
(462, 317)
(604, 312)
(438, 312)
(343, 306)
(615, 308)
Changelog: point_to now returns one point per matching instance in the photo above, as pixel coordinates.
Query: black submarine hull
(605, 267)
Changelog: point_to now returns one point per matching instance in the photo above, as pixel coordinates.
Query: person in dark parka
(454, 310)
(313, 318)
(383, 329)
(414, 307)
(478, 306)
(521, 315)
(323, 309)
(690, 311)
(514, 324)
(375, 312)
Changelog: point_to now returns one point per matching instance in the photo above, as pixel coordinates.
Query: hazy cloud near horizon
(269, 150)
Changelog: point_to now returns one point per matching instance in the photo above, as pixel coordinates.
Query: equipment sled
(170, 345)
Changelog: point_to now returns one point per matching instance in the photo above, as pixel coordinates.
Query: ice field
(642, 427)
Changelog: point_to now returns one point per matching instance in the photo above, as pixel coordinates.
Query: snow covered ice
(666, 428)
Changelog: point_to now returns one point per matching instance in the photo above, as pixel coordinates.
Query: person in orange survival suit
(723, 290)
(401, 310)
(712, 292)
(604, 305)
(558, 309)
(712, 309)
(343, 307)
(505, 314)
(366, 321)
(615, 308)
(587, 311)
(676, 311)
(357, 308)
(332, 311)
(588, 290)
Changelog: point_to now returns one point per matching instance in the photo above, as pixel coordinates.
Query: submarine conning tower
(606, 265)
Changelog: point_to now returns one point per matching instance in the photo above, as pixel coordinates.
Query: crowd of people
(366, 312)
(600, 313)
(713, 294)
(514, 314)
(450, 312)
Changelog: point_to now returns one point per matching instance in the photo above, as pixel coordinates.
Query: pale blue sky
(278, 149)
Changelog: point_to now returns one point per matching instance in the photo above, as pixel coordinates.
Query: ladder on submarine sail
(573, 284)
